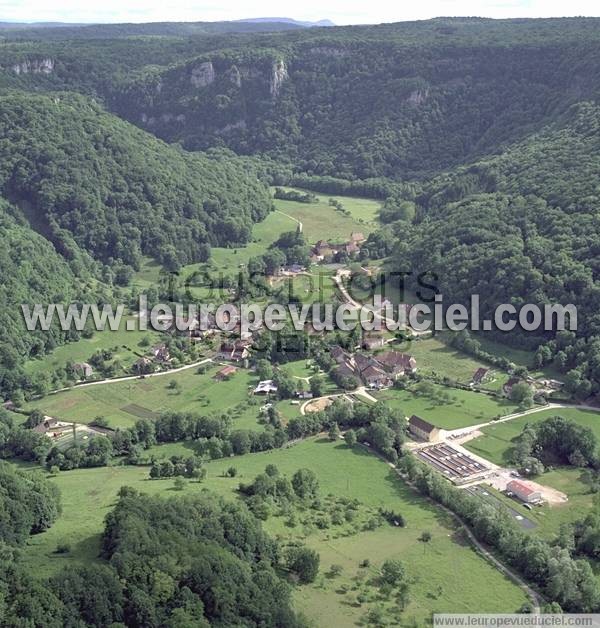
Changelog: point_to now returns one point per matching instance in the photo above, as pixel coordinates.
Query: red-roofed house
(524, 492)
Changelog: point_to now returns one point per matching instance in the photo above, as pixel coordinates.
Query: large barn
(524, 492)
(422, 429)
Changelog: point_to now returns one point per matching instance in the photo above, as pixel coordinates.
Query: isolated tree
(304, 562)
(305, 483)
(350, 438)
(179, 483)
(392, 572)
(334, 432)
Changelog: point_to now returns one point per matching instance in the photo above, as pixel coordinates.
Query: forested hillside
(116, 190)
(522, 227)
(393, 100)
(32, 272)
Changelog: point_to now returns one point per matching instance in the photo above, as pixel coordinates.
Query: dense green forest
(180, 562)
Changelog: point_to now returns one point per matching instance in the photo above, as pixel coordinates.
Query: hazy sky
(340, 11)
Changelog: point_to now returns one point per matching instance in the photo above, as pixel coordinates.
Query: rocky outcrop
(234, 75)
(418, 97)
(278, 75)
(203, 74)
(34, 66)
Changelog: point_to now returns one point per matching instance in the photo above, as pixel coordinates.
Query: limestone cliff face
(203, 74)
(34, 66)
(278, 75)
(418, 97)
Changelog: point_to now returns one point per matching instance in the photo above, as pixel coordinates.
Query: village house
(339, 355)
(143, 366)
(265, 387)
(397, 364)
(422, 429)
(373, 341)
(480, 375)
(375, 377)
(225, 373)
(48, 424)
(524, 492)
(82, 370)
(357, 237)
(161, 353)
(234, 350)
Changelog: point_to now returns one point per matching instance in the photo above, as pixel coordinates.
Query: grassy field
(321, 221)
(497, 440)
(122, 403)
(434, 357)
(463, 409)
(446, 575)
(125, 345)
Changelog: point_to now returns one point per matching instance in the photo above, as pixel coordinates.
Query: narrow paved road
(463, 431)
(339, 281)
(127, 378)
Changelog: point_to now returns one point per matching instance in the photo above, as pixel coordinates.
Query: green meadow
(446, 574)
(461, 409)
(434, 357)
(322, 222)
(124, 344)
(122, 403)
(498, 439)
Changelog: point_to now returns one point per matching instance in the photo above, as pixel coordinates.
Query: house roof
(479, 374)
(357, 236)
(511, 382)
(337, 353)
(520, 487)
(372, 371)
(346, 370)
(397, 359)
(227, 370)
(421, 424)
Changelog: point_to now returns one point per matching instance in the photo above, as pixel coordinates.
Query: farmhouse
(396, 363)
(480, 375)
(83, 370)
(357, 237)
(524, 492)
(225, 372)
(265, 387)
(422, 429)
(161, 353)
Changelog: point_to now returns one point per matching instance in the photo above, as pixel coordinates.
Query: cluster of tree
(294, 195)
(555, 440)
(28, 504)
(278, 490)
(177, 466)
(190, 561)
(379, 425)
(568, 582)
(195, 560)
